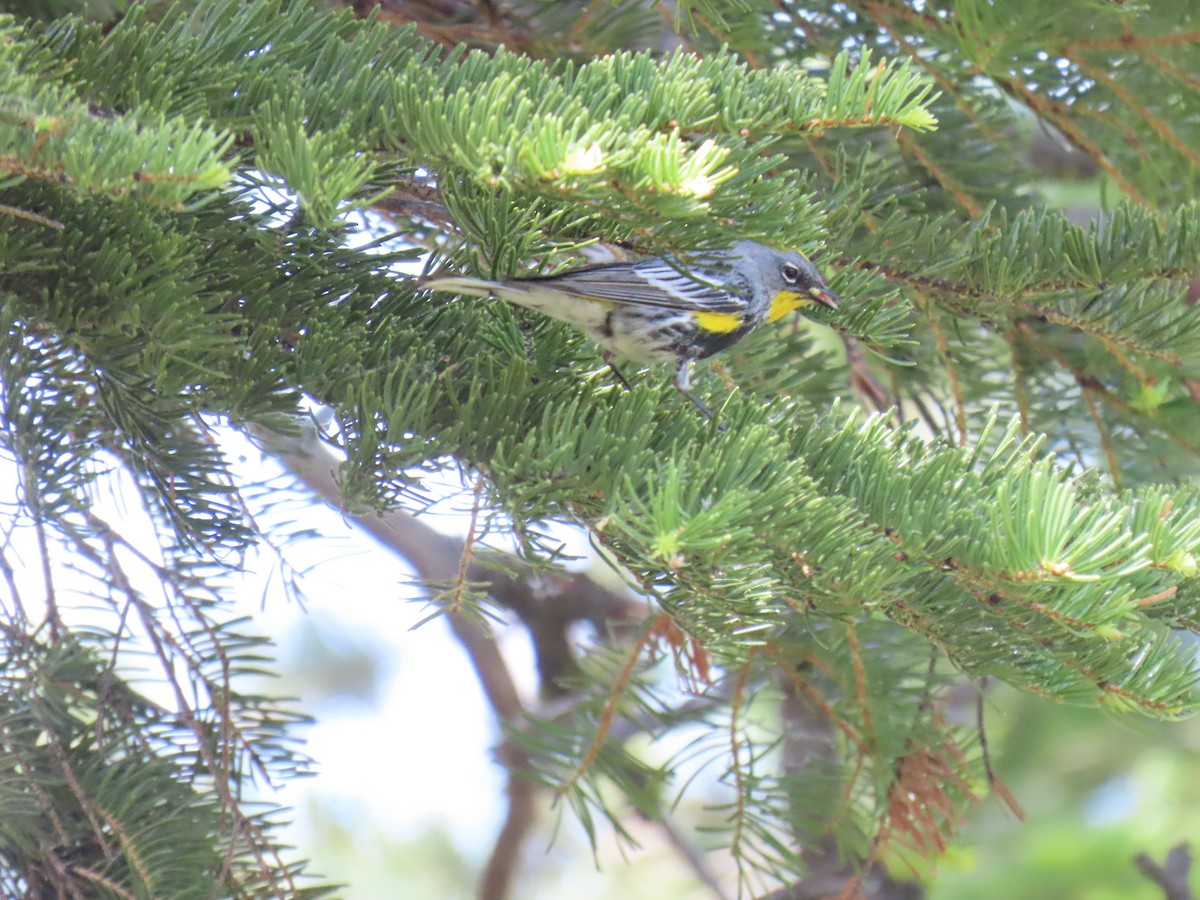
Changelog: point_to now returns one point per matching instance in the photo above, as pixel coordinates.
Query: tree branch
(1173, 875)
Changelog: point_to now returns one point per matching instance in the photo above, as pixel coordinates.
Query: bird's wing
(651, 282)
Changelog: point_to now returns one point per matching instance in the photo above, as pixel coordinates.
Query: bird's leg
(526, 328)
(683, 384)
(608, 357)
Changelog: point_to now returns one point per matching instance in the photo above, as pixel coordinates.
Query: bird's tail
(462, 284)
(513, 292)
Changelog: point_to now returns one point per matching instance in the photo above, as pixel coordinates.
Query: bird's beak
(825, 297)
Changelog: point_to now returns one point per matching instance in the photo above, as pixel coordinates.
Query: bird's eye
(791, 274)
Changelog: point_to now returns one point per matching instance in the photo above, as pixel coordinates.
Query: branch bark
(1173, 875)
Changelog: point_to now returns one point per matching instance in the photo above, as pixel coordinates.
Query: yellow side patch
(785, 302)
(718, 323)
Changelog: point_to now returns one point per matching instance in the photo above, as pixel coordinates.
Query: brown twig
(869, 389)
(169, 648)
(412, 198)
(1173, 875)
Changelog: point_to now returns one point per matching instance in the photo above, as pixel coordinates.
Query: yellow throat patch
(785, 302)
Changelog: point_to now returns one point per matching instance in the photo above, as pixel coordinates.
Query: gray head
(791, 281)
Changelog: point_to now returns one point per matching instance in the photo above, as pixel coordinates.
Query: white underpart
(628, 323)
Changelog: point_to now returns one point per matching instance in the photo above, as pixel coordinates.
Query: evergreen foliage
(176, 191)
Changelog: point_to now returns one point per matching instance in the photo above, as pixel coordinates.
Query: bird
(664, 309)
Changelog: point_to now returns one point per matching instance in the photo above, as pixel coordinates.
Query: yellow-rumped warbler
(662, 309)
